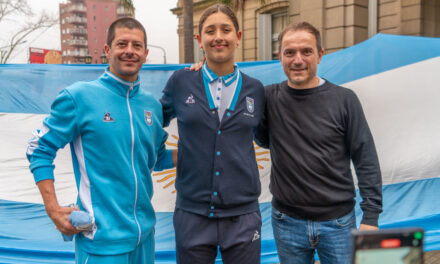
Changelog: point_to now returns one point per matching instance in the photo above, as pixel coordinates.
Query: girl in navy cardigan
(217, 111)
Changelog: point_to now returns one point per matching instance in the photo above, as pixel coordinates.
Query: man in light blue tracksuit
(115, 133)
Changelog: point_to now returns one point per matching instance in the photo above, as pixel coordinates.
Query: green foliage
(128, 4)
(226, 2)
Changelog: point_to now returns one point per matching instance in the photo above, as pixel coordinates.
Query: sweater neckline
(307, 91)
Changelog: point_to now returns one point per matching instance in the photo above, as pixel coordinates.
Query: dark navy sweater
(313, 134)
(217, 172)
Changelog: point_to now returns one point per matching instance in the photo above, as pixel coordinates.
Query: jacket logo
(148, 117)
(190, 99)
(250, 104)
(107, 117)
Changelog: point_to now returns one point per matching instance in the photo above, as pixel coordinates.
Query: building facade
(83, 26)
(342, 23)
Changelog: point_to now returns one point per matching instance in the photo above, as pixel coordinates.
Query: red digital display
(390, 243)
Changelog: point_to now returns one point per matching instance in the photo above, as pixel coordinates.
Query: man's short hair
(301, 26)
(125, 22)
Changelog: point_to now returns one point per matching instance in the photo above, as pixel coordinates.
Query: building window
(94, 18)
(270, 26)
(106, 19)
(279, 22)
(106, 8)
(96, 51)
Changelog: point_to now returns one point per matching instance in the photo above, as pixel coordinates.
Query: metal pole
(372, 18)
(163, 50)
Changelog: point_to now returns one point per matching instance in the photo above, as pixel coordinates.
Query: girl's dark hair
(215, 9)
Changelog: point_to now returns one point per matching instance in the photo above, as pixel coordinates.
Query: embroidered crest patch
(250, 104)
(148, 117)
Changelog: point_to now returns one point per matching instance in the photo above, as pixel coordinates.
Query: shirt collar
(210, 76)
(118, 85)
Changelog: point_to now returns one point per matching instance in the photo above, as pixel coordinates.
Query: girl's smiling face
(219, 39)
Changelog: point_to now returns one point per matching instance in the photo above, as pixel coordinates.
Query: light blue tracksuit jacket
(116, 137)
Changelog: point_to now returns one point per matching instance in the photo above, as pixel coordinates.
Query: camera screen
(401, 255)
(392, 246)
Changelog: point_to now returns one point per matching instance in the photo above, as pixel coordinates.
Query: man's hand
(174, 153)
(197, 66)
(364, 227)
(60, 217)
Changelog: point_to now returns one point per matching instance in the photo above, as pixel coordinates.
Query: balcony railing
(77, 19)
(77, 8)
(123, 12)
(78, 31)
(77, 42)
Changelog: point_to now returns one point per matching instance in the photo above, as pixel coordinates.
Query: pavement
(432, 257)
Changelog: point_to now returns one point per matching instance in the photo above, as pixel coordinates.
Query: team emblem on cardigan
(250, 104)
(148, 117)
(107, 117)
(190, 99)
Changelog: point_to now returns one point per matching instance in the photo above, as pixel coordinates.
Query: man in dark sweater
(314, 129)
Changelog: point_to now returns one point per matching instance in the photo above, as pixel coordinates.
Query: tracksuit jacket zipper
(132, 160)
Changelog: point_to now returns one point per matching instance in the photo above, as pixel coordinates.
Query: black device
(388, 246)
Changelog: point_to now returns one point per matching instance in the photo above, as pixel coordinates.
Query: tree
(20, 8)
(188, 31)
(128, 4)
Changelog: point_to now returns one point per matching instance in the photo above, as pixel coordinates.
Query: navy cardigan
(217, 173)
